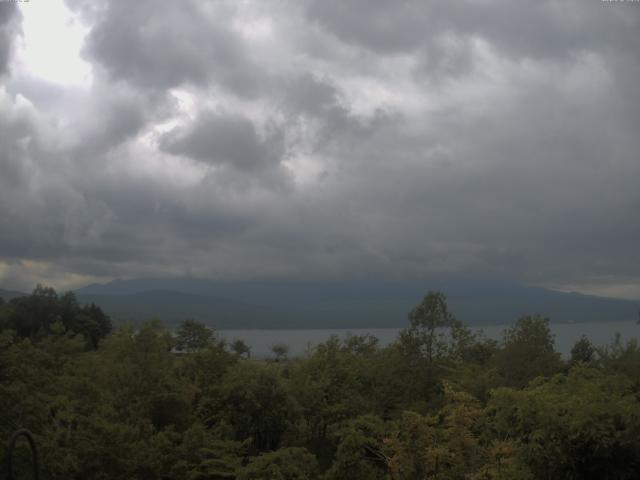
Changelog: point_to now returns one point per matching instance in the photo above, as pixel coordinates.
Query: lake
(300, 341)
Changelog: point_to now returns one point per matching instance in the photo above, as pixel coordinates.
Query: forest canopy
(439, 403)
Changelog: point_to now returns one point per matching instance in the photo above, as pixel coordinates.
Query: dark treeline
(439, 403)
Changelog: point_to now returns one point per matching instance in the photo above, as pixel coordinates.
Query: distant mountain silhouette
(9, 294)
(357, 304)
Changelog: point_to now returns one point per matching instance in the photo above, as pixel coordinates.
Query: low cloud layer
(323, 139)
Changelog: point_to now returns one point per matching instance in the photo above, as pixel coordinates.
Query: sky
(321, 139)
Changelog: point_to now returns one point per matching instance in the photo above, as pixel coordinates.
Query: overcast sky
(321, 139)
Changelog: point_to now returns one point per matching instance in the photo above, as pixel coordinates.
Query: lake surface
(301, 341)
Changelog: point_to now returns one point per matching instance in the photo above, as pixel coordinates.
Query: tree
(444, 445)
(332, 386)
(583, 424)
(35, 315)
(93, 323)
(582, 352)
(202, 455)
(203, 370)
(68, 308)
(359, 455)
(621, 357)
(32, 316)
(431, 329)
(192, 335)
(528, 351)
(239, 347)
(361, 344)
(281, 351)
(291, 463)
(252, 404)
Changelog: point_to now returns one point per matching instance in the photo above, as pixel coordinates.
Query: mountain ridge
(9, 294)
(342, 304)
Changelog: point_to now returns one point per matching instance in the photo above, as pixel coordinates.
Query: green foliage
(201, 455)
(582, 425)
(622, 358)
(34, 316)
(281, 351)
(439, 403)
(443, 446)
(202, 371)
(333, 385)
(582, 352)
(359, 455)
(192, 335)
(432, 328)
(252, 404)
(361, 344)
(291, 463)
(240, 348)
(528, 352)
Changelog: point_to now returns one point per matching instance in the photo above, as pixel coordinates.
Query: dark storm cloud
(165, 44)
(307, 95)
(107, 123)
(86, 212)
(219, 139)
(536, 29)
(9, 15)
